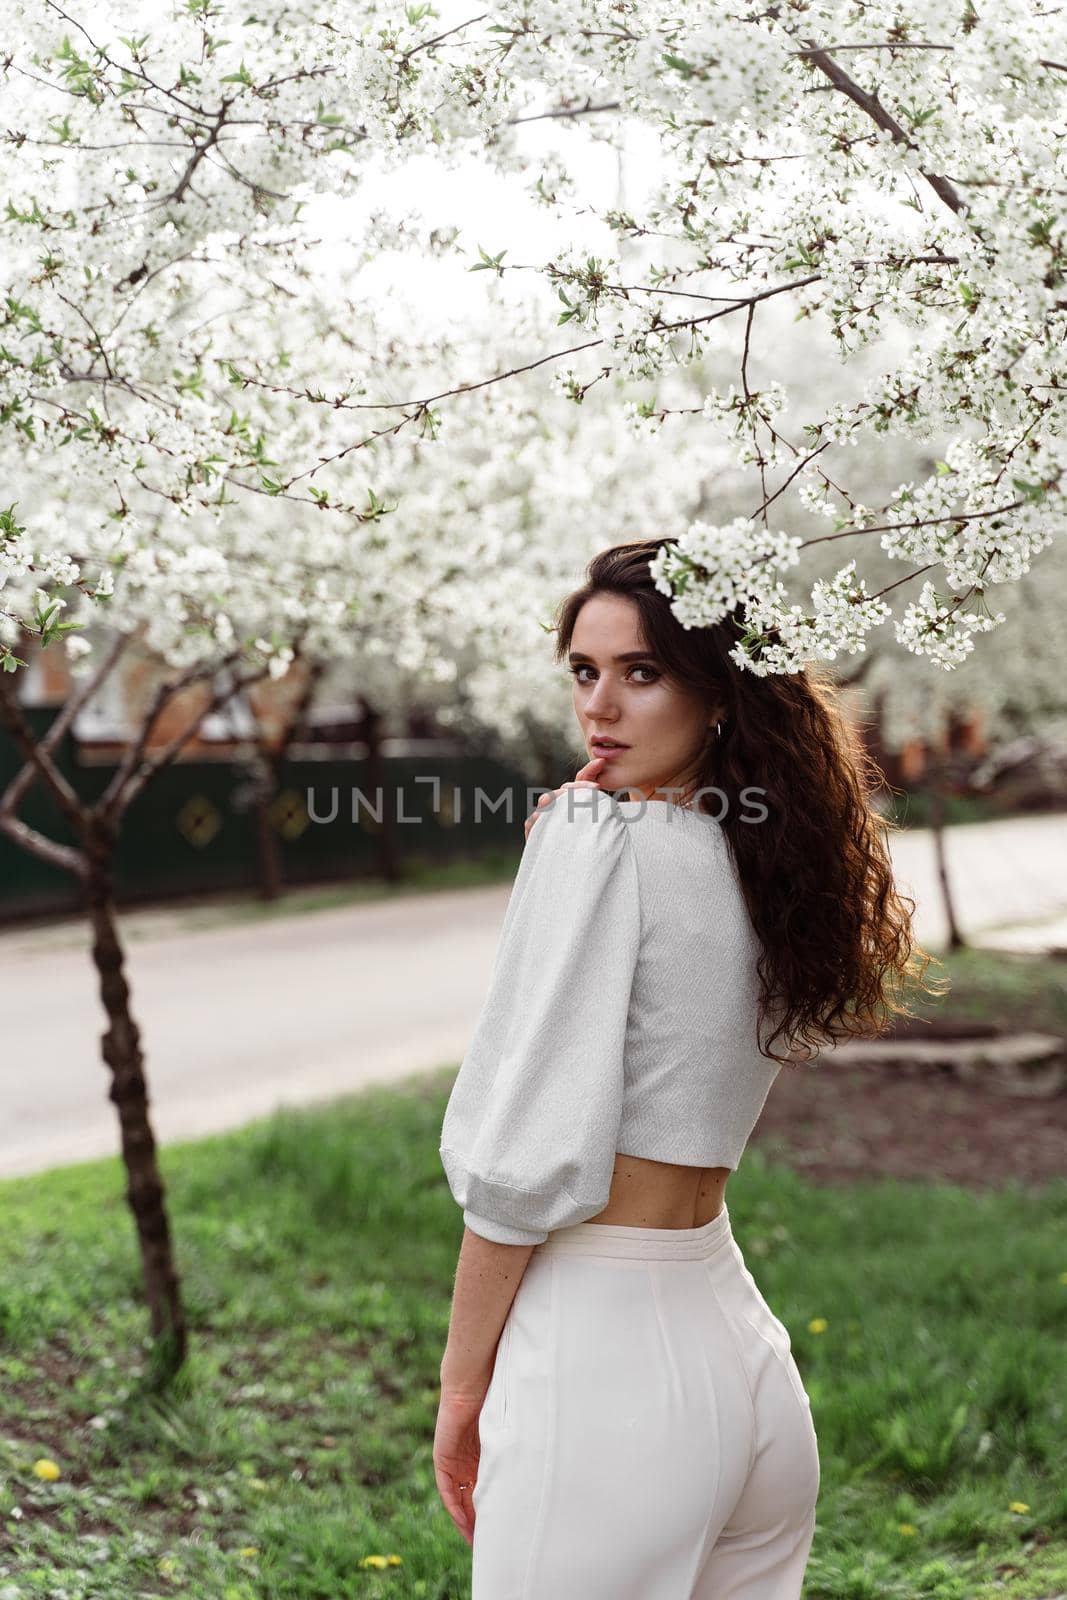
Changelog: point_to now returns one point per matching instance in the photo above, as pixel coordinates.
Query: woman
(621, 1416)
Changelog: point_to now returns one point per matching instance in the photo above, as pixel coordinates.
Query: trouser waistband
(661, 1244)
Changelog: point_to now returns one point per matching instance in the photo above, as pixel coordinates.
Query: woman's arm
(487, 1279)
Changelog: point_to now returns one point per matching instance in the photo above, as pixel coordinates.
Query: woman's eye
(576, 672)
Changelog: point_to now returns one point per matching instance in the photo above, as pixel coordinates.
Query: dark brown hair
(837, 953)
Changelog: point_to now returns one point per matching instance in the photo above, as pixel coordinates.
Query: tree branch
(22, 780)
(32, 749)
(64, 856)
(149, 767)
(110, 804)
(870, 103)
(199, 152)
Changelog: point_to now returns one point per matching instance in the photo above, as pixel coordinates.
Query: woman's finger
(453, 1498)
(588, 781)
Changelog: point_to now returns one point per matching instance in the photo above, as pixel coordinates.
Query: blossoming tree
(869, 166)
(879, 168)
(205, 416)
(153, 232)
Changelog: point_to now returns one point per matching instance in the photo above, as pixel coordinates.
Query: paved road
(241, 1018)
(1002, 874)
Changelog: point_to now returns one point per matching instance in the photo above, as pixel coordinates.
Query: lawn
(293, 1461)
(1011, 989)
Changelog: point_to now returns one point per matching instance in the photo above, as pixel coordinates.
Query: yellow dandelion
(1063, 1277)
(168, 1567)
(46, 1469)
(818, 1325)
(259, 1485)
(395, 1561)
(908, 1528)
(247, 1551)
(375, 1561)
(1019, 1506)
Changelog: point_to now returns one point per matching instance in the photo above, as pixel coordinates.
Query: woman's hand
(584, 778)
(456, 1452)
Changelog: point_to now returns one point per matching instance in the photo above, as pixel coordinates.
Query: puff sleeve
(529, 1134)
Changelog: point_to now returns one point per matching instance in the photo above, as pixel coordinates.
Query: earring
(718, 730)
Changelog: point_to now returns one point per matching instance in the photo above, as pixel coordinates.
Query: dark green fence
(194, 829)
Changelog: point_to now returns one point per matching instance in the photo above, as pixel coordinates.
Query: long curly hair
(837, 955)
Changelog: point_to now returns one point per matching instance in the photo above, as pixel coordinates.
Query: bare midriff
(661, 1194)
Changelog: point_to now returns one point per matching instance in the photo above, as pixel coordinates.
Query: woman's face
(623, 692)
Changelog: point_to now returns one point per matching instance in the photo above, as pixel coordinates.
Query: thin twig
(919, 522)
(428, 44)
(874, 44)
(566, 112)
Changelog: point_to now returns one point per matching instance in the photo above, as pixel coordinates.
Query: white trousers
(646, 1434)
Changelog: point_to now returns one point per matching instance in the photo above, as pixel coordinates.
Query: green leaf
(678, 64)
(489, 263)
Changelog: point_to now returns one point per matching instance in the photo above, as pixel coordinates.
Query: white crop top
(621, 1016)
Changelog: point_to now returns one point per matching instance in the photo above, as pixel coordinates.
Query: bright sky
(490, 209)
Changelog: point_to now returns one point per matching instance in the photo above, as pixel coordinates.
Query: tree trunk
(270, 759)
(547, 765)
(268, 850)
(956, 941)
(388, 855)
(121, 1048)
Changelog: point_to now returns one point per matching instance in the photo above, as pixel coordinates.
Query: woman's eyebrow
(627, 655)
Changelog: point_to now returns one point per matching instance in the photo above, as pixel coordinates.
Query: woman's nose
(601, 700)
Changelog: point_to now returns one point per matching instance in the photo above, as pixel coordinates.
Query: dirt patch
(838, 1123)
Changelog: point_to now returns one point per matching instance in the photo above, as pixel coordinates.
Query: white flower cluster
(638, 419)
(194, 412)
(775, 636)
(943, 633)
(713, 569)
(844, 613)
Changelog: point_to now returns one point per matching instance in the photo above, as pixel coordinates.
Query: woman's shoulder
(661, 830)
(576, 847)
(593, 825)
(581, 819)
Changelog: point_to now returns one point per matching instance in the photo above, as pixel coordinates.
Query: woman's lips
(608, 750)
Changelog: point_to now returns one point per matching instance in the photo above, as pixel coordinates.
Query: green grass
(913, 808)
(1012, 990)
(317, 1252)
